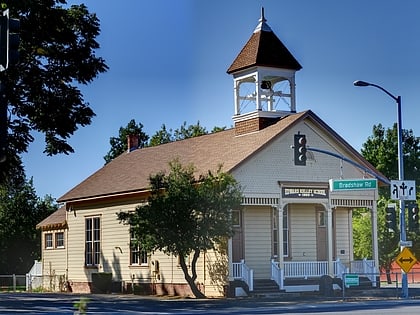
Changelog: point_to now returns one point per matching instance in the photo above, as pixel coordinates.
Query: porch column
(230, 263)
(374, 220)
(330, 240)
(280, 249)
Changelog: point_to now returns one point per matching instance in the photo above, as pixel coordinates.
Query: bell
(266, 85)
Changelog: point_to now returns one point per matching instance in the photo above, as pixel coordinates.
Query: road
(28, 303)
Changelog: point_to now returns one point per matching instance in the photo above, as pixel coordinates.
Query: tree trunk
(388, 275)
(191, 278)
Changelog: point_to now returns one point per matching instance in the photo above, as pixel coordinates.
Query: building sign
(353, 184)
(304, 192)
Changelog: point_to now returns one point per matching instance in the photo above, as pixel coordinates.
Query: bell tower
(264, 80)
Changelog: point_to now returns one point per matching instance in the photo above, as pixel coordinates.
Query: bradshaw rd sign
(353, 184)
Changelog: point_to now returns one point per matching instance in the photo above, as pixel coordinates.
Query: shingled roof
(129, 173)
(57, 220)
(264, 48)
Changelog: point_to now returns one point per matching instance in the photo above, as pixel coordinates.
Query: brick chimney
(253, 124)
(132, 142)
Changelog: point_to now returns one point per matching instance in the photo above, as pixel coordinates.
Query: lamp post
(400, 172)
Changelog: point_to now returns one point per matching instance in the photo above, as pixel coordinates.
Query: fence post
(251, 280)
(14, 283)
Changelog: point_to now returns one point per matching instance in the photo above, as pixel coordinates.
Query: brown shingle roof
(56, 220)
(264, 48)
(129, 173)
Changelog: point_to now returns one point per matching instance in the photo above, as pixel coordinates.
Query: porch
(306, 272)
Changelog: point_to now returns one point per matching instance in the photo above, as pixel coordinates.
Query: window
(285, 231)
(138, 256)
(49, 241)
(59, 240)
(321, 219)
(276, 232)
(92, 241)
(236, 218)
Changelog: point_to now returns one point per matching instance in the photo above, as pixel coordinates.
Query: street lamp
(400, 172)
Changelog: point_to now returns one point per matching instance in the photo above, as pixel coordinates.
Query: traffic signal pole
(3, 123)
(9, 55)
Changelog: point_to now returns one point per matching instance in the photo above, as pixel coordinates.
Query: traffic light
(9, 40)
(413, 217)
(300, 149)
(391, 218)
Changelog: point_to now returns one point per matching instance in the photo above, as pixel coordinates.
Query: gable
(274, 163)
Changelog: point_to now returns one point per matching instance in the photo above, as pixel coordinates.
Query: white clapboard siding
(261, 173)
(342, 235)
(302, 232)
(258, 230)
(54, 260)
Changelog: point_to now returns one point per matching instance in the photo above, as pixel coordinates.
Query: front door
(322, 234)
(237, 239)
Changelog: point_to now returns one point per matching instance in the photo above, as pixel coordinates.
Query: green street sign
(351, 280)
(353, 184)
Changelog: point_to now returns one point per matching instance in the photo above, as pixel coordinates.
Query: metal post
(402, 201)
(404, 282)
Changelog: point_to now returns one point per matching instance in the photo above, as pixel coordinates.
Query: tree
(184, 132)
(362, 233)
(56, 56)
(120, 144)
(185, 215)
(161, 136)
(381, 150)
(191, 131)
(20, 211)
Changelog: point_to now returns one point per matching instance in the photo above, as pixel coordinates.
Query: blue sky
(168, 62)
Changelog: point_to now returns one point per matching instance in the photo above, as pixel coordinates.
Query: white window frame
(286, 231)
(59, 239)
(92, 241)
(49, 244)
(138, 256)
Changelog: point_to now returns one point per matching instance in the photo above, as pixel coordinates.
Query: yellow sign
(406, 259)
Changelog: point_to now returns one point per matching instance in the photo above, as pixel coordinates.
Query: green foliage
(362, 234)
(56, 56)
(161, 136)
(184, 132)
(119, 144)
(381, 150)
(191, 131)
(186, 215)
(81, 306)
(20, 211)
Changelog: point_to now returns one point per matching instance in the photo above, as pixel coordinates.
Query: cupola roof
(264, 48)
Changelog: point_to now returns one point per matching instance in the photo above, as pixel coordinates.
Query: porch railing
(339, 268)
(366, 267)
(242, 272)
(277, 274)
(305, 269)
